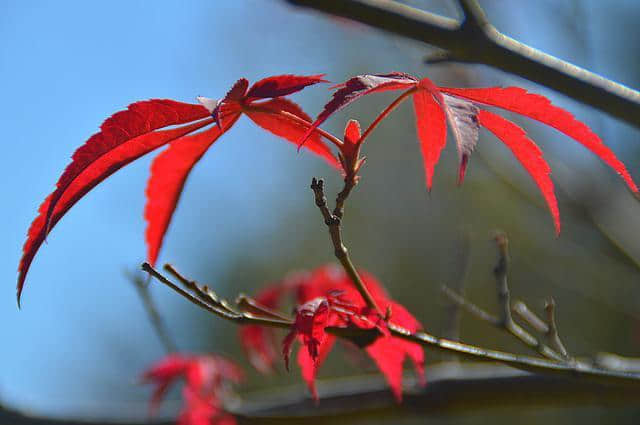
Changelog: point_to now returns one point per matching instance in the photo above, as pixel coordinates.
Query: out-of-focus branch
(142, 287)
(466, 387)
(333, 221)
(505, 320)
(452, 311)
(581, 370)
(548, 328)
(475, 40)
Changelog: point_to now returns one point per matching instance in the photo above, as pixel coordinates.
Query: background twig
(482, 43)
(142, 288)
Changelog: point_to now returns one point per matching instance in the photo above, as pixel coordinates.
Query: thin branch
(548, 329)
(333, 223)
(575, 369)
(554, 337)
(462, 262)
(505, 320)
(160, 328)
(458, 300)
(529, 317)
(478, 42)
(248, 304)
(203, 299)
(195, 300)
(203, 292)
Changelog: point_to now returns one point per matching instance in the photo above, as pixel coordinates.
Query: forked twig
(505, 320)
(531, 364)
(333, 221)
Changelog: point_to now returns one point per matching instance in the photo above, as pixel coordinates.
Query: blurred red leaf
(205, 377)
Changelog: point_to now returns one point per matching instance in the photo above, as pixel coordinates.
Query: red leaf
(539, 108)
(357, 87)
(311, 319)
(238, 91)
(205, 380)
(169, 172)
(235, 94)
(139, 119)
(268, 116)
(387, 351)
(527, 153)
(309, 366)
(163, 374)
(283, 85)
(432, 130)
(96, 171)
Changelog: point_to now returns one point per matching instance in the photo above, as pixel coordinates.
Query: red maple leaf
(327, 297)
(206, 379)
(435, 106)
(132, 133)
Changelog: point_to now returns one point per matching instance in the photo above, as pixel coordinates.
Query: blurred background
(246, 216)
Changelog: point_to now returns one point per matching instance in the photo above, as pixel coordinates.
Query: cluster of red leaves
(206, 379)
(326, 297)
(435, 106)
(132, 133)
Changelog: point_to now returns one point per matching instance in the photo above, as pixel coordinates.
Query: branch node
(474, 17)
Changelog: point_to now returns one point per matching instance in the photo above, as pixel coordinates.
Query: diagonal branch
(475, 40)
(333, 220)
(577, 369)
(505, 320)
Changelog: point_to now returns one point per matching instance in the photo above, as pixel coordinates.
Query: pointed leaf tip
(540, 108)
(169, 172)
(282, 85)
(124, 137)
(432, 131)
(528, 154)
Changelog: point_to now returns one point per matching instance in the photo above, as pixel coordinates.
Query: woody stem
(579, 369)
(333, 221)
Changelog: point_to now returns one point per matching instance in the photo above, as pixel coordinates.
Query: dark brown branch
(477, 41)
(335, 231)
(575, 369)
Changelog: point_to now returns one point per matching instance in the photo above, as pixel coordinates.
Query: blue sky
(65, 66)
